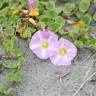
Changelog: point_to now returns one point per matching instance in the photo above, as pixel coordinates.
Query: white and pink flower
(33, 10)
(32, 4)
(64, 54)
(43, 43)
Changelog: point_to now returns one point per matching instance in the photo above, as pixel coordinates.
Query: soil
(42, 78)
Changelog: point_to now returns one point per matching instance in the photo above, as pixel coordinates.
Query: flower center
(63, 51)
(44, 44)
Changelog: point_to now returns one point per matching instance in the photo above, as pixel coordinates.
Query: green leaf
(84, 5)
(55, 27)
(62, 1)
(93, 78)
(68, 8)
(74, 32)
(94, 16)
(51, 14)
(41, 24)
(90, 29)
(79, 15)
(60, 20)
(41, 6)
(79, 44)
(9, 92)
(24, 3)
(9, 30)
(61, 32)
(93, 42)
(16, 52)
(58, 10)
(30, 32)
(9, 64)
(50, 5)
(0, 4)
(2, 89)
(85, 39)
(15, 76)
(87, 19)
(8, 44)
(45, 19)
(21, 61)
(94, 1)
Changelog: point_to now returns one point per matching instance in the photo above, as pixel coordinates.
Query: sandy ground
(41, 78)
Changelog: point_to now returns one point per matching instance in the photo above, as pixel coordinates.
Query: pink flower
(33, 10)
(64, 54)
(44, 43)
(32, 4)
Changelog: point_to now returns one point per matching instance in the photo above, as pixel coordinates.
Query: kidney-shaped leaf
(84, 5)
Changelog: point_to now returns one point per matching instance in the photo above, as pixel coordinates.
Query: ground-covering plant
(72, 21)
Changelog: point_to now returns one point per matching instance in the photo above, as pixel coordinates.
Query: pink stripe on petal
(46, 33)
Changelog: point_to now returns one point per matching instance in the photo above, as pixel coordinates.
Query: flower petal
(46, 37)
(32, 4)
(44, 54)
(67, 44)
(72, 50)
(58, 61)
(72, 54)
(41, 53)
(53, 48)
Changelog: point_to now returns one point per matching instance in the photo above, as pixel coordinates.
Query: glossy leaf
(15, 76)
(60, 20)
(84, 5)
(87, 19)
(94, 16)
(68, 8)
(50, 5)
(74, 32)
(55, 26)
(9, 64)
(51, 14)
(2, 89)
(9, 92)
(16, 52)
(93, 78)
(79, 44)
(21, 61)
(8, 44)
(94, 1)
